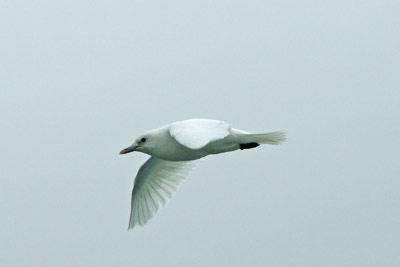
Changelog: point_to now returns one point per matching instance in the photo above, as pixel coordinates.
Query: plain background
(80, 80)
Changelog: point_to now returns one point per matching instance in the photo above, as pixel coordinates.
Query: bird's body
(173, 149)
(167, 146)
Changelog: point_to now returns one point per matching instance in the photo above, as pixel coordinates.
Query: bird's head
(142, 144)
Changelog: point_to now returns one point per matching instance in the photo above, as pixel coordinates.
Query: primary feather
(155, 183)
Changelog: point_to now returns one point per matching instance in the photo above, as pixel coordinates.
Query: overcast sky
(80, 80)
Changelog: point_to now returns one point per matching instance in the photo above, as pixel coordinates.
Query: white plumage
(155, 183)
(195, 134)
(174, 149)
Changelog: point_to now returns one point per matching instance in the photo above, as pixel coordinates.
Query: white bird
(174, 149)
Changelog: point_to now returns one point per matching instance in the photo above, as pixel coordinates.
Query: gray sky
(80, 80)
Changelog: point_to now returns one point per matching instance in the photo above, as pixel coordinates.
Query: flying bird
(174, 149)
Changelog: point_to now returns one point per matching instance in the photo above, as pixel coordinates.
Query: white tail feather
(274, 138)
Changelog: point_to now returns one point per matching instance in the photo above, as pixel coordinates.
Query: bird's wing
(197, 133)
(155, 183)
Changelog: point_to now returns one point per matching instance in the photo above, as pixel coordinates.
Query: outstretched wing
(197, 133)
(155, 183)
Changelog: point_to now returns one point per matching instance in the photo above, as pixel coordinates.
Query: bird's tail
(274, 138)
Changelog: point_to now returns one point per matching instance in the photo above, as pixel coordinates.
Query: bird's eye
(143, 140)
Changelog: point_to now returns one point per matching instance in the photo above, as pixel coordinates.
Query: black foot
(248, 145)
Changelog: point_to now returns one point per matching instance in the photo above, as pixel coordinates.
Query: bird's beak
(128, 149)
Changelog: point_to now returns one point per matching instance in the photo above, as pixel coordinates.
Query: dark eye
(143, 140)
